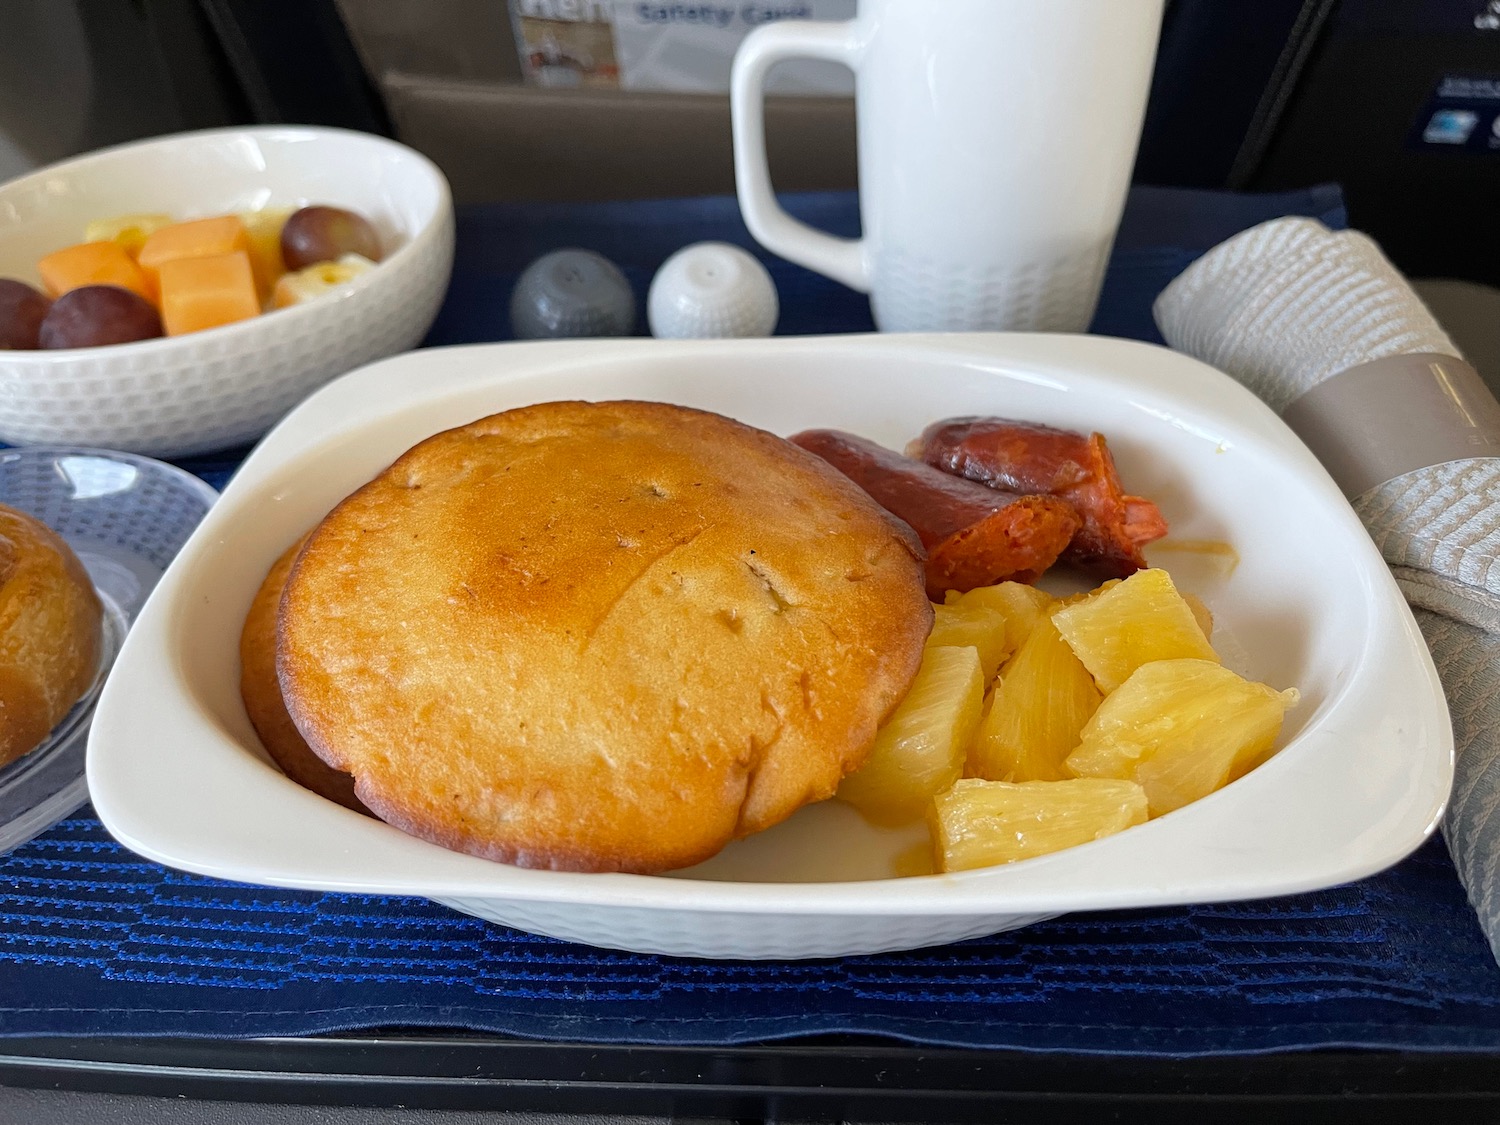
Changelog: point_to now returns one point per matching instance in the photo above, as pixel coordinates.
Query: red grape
(324, 234)
(94, 315)
(21, 311)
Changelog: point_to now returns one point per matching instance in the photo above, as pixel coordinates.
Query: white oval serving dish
(177, 774)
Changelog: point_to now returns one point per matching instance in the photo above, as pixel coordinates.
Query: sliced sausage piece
(1027, 457)
(974, 535)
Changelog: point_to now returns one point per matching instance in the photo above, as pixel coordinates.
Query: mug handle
(842, 259)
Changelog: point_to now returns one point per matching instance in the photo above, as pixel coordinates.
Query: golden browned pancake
(262, 695)
(50, 628)
(606, 636)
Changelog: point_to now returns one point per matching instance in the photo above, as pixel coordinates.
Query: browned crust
(606, 636)
(51, 625)
(261, 692)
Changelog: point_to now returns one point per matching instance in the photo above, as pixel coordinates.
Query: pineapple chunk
(973, 624)
(1023, 606)
(1044, 697)
(317, 279)
(263, 234)
(1119, 629)
(130, 231)
(919, 752)
(1085, 595)
(981, 823)
(1181, 728)
(1201, 613)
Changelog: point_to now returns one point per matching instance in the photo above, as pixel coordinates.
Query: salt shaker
(711, 289)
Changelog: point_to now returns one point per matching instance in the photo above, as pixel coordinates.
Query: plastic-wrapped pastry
(50, 631)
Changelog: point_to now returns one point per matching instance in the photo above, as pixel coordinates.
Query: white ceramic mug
(996, 140)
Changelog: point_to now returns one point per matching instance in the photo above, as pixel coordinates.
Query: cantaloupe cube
(92, 263)
(199, 238)
(199, 293)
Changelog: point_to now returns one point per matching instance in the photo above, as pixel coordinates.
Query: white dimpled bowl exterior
(181, 395)
(177, 774)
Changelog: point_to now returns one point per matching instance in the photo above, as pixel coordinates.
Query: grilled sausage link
(1026, 457)
(974, 535)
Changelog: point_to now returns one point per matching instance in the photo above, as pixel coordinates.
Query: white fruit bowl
(204, 391)
(177, 774)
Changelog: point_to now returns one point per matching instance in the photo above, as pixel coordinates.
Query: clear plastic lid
(125, 517)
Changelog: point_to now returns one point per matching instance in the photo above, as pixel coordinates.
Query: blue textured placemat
(95, 941)
(98, 942)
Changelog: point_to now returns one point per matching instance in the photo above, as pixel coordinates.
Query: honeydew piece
(919, 750)
(1181, 729)
(197, 238)
(1141, 619)
(92, 263)
(982, 823)
(206, 292)
(1044, 698)
(130, 231)
(960, 624)
(318, 279)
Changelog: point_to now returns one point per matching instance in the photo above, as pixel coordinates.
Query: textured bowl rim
(163, 345)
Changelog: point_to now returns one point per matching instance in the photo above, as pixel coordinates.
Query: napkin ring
(1376, 421)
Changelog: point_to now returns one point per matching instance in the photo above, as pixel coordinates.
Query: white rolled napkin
(1300, 314)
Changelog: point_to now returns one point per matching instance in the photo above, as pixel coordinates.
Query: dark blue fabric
(1162, 231)
(95, 941)
(98, 942)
